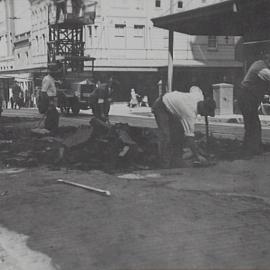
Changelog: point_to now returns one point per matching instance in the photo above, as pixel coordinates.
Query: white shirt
(48, 86)
(184, 107)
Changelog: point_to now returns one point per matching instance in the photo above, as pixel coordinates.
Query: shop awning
(229, 18)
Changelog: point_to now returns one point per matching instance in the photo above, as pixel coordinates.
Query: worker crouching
(176, 114)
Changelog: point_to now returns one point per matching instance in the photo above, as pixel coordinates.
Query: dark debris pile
(97, 146)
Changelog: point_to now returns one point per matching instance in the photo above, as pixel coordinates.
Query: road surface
(228, 127)
(188, 218)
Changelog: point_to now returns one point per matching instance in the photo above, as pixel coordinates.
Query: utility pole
(170, 54)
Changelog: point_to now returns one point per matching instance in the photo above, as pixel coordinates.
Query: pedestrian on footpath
(176, 114)
(133, 99)
(2, 98)
(16, 96)
(250, 95)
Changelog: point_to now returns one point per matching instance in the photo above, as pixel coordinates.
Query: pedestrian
(61, 5)
(16, 96)
(2, 98)
(176, 114)
(144, 102)
(250, 95)
(133, 99)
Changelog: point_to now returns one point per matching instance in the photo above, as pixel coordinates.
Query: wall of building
(123, 35)
(122, 39)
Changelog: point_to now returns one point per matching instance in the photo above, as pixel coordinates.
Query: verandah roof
(249, 18)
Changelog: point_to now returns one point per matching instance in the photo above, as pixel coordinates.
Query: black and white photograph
(134, 134)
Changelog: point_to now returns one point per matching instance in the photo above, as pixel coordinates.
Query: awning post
(170, 62)
(170, 54)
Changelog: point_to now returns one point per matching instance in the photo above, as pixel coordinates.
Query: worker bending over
(176, 114)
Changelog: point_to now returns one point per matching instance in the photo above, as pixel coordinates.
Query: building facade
(123, 41)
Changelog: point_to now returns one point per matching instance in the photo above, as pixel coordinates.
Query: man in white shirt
(48, 85)
(48, 93)
(176, 114)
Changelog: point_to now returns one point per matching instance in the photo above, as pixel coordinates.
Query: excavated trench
(114, 148)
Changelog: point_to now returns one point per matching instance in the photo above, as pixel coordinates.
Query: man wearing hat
(48, 90)
(250, 95)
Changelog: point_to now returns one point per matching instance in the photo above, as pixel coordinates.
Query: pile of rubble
(96, 146)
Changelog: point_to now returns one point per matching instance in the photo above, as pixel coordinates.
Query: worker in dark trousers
(100, 100)
(175, 114)
(250, 95)
(77, 5)
(61, 5)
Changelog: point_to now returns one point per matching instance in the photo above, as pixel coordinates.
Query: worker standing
(175, 114)
(77, 5)
(48, 92)
(250, 95)
(101, 99)
(61, 5)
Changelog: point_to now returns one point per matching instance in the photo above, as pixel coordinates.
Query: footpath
(220, 126)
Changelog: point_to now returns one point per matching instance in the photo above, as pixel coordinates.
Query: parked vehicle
(76, 97)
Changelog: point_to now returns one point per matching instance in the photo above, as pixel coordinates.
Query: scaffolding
(66, 46)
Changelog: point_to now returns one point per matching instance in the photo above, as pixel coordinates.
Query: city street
(186, 218)
(169, 169)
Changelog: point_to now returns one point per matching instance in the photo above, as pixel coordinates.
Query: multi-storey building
(123, 41)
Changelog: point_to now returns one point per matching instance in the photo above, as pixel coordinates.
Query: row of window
(139, 32)
(39, 15)
(158, 4)
(40, 45)
(6, 67)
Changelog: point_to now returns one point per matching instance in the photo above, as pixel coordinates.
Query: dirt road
(188, 218)
(211, 218)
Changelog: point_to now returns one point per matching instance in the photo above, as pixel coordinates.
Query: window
(37, 45)
(44, 44)
(212, 42)
(120, 30)
(90, 30)
(18, 56)
(139, 5)
(158, 3)
(180, 4)
(138, 30)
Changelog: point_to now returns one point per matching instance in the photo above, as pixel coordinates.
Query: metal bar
(105, 192)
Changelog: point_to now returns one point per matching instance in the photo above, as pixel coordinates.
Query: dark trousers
(248, 105)
(76, 7)
(171, 135)
(60, 6)
(99, 111)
